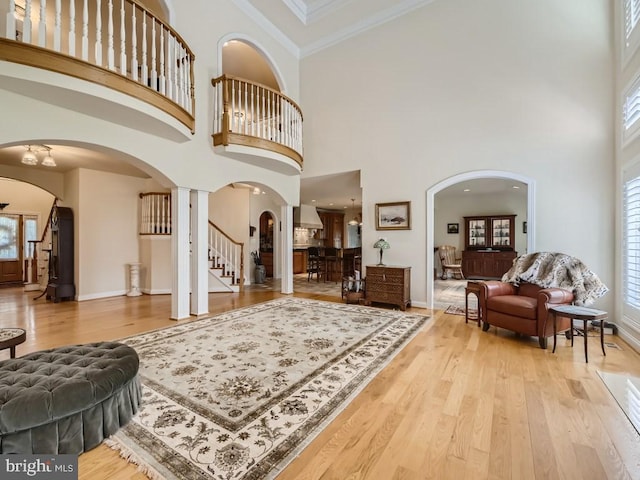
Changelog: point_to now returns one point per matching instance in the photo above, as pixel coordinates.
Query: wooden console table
(389, 284)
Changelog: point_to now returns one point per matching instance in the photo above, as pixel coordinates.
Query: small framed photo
(453, 228)
(393, 216)
(524, 227)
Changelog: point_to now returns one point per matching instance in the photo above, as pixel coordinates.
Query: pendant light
(354, 221)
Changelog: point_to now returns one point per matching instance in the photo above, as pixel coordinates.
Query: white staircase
(226, 264)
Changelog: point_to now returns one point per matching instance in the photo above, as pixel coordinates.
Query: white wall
(107, 225)
(462, 85)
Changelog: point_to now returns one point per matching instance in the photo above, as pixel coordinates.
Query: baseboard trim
(96, 296)
(156, 291)
(632, 340)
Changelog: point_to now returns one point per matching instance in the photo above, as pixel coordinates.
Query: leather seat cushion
(516, 305)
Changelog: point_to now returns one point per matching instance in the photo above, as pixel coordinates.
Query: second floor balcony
(257, 119)
(123, 46)
(115, 43)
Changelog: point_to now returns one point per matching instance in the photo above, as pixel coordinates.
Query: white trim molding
(477, 174)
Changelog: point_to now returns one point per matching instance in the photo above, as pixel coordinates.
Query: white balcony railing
(120, 36)
(247, 113)
(155, 213)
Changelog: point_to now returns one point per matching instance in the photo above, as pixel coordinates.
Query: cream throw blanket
(548, 269)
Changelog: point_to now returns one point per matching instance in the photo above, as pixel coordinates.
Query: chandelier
(30, 158)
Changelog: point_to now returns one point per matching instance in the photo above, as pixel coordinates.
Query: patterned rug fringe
(130, 456)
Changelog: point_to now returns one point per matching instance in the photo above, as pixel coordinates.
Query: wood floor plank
(457, 402)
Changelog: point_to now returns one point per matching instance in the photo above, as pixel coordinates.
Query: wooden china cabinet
(489, 245)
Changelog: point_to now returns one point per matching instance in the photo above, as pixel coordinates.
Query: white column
(199, 252)
(286, 248)
(180, 253)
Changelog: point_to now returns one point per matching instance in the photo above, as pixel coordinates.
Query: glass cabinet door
(501, 232)
(477, 233)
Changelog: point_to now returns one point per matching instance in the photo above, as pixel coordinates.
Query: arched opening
(241, 59)
(267, 242)
(434, 221)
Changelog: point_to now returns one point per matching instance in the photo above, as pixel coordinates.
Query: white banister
(72, 28)
(110, 33)
(134, 44)
(123, 40)
(226, 254)
(154, 71)
(254, 110)
(85, 31)
(57, 28)
(11, 20)
(42, 24)
(111, 58)
(98, 46)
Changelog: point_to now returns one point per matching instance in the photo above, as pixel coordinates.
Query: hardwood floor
(455, 403)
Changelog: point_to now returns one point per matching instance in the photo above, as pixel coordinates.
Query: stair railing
(155, 213)
(227, 254)
(36, 251)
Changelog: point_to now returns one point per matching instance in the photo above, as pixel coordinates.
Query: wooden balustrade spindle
(57, 28)
(98, 47)
(163, 87)
(85, 31)
(42, 24)
(154, 71)
(145, 66)
(123, 41)
(111, 60)
(72, 28)
(11, 21)
(134, 43)
(27, 25)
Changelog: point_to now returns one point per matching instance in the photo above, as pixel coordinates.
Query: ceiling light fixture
(3, 206)
(354, 221)
(29, 157)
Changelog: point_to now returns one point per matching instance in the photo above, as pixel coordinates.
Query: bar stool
(330, 262)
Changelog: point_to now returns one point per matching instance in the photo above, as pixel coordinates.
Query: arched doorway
(479, 174)
(267, 242)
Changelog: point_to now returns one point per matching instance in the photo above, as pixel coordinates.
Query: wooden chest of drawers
(388, 284)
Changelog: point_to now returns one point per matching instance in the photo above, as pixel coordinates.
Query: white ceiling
(307, 26)
(68, 158)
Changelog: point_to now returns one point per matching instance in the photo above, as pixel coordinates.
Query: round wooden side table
(10, 337)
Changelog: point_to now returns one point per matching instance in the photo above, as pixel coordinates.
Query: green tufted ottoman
(67, 399)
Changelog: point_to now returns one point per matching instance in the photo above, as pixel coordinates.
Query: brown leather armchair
(523, 309)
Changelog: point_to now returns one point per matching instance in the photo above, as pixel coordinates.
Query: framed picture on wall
(393, 216)
(453, 228)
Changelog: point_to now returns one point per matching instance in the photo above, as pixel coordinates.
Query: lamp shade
(48, 161)
(382, 244)
(29, 158)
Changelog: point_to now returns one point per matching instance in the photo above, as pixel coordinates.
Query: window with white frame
(631, 110)
(631, 248)
(631, 19)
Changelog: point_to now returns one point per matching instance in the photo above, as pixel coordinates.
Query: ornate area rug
(456, 310)
(238, 395)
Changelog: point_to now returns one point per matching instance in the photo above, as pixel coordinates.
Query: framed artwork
(453, 228)
(393, 216)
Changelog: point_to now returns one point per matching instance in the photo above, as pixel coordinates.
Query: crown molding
(368, 23)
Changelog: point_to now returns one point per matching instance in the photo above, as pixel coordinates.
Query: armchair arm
(548, 297)
(554, 296)
(492, 288)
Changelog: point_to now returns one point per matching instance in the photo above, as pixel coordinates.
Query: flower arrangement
(256, 257)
